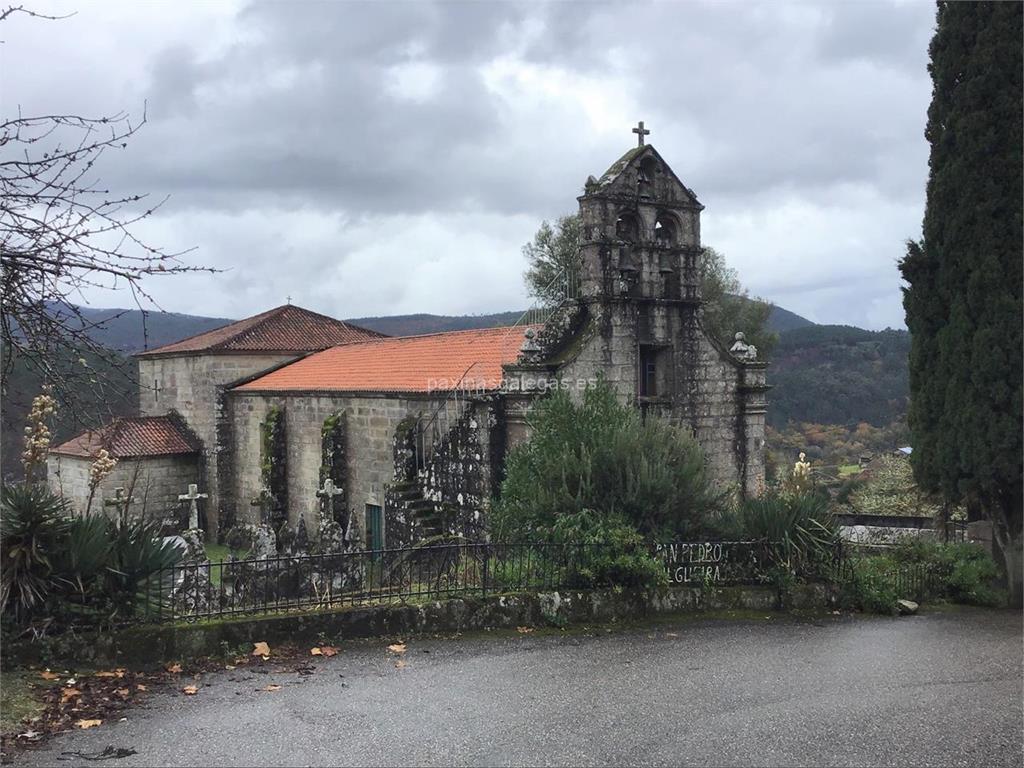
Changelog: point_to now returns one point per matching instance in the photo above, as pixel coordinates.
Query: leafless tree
(62, 236)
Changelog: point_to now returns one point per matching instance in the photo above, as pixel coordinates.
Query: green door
(374, 527)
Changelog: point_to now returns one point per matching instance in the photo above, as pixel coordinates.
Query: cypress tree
(963, 300)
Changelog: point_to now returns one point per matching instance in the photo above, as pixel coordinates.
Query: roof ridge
(263, 318)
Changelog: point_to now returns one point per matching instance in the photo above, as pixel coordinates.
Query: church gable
(643, 173)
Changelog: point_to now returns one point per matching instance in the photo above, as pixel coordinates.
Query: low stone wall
(150, 645)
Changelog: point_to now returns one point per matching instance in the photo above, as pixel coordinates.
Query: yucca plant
(33, 527)
(138, 574)
(798, 528)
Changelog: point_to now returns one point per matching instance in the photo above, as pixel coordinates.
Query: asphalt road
(939, 689)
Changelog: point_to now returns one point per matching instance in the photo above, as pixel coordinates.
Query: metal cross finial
(288, 299)
(640, 132)
(192, 496)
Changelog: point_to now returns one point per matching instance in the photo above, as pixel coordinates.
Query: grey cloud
(294, 112)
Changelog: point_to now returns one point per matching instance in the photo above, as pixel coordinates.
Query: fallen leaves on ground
(174, 668)
(261, 649)
(48, 675)
(190, 690)
(67, 694)
(271, 688)
(118, 673)
(524, 630)
(400, 664)
(140, 687)
(88, 723)
(397, 647)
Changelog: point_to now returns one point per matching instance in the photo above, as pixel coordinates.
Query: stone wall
(155, 484)
(371, 422)
(190, 385)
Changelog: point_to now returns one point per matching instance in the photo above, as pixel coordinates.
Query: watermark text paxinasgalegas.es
(526, 384)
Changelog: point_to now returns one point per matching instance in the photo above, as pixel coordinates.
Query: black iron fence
(192, 591)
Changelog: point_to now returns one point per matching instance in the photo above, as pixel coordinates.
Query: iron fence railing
(192, 591)
(207, 590)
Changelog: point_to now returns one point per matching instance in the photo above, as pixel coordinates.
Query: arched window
(665, 230)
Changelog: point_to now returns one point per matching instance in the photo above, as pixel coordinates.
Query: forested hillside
(838, 374)
(106, 387)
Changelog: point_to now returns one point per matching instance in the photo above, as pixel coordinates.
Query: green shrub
(599, 455)
(869, 584)
(962, 572)
(606, 551)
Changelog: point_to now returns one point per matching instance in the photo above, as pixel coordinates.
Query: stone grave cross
(192, 497)
(120, 501)
(329, 491)
(640, 132)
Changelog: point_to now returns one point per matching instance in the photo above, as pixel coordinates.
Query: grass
(18, 699)
(846, 470)
(217, 553)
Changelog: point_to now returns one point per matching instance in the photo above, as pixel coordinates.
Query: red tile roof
(133, 438)
(285, 329)
(438, 361)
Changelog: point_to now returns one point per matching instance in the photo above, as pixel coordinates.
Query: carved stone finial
(529, 341)
(741, 349)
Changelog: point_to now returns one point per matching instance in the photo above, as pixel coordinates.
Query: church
(315, 428)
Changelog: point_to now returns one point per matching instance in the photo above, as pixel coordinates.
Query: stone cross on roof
(192, 496)
(640, 132)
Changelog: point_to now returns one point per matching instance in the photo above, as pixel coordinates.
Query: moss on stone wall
(333, 467)
(274, 465)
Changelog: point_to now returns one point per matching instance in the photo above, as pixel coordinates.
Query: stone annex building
(342, 437)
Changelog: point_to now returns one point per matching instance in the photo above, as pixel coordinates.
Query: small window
(648, 372)
(156, 390)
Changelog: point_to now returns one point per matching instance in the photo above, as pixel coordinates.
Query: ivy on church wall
(274, 464)
(333, 466)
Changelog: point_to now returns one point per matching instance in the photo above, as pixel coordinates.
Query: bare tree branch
(63, 235)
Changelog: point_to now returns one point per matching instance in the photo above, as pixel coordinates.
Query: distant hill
(414, 325)
(782, 320)
(779, 321)
(838, 374)
(130, 330)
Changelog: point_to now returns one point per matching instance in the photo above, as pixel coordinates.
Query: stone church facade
(320, 431)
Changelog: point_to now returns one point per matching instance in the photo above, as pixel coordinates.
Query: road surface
(936, 689)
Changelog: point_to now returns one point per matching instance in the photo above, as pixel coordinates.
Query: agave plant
(34, 523)
(138, 571)
(798, 527)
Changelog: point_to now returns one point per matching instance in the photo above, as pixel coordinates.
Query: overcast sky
(392, 157)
